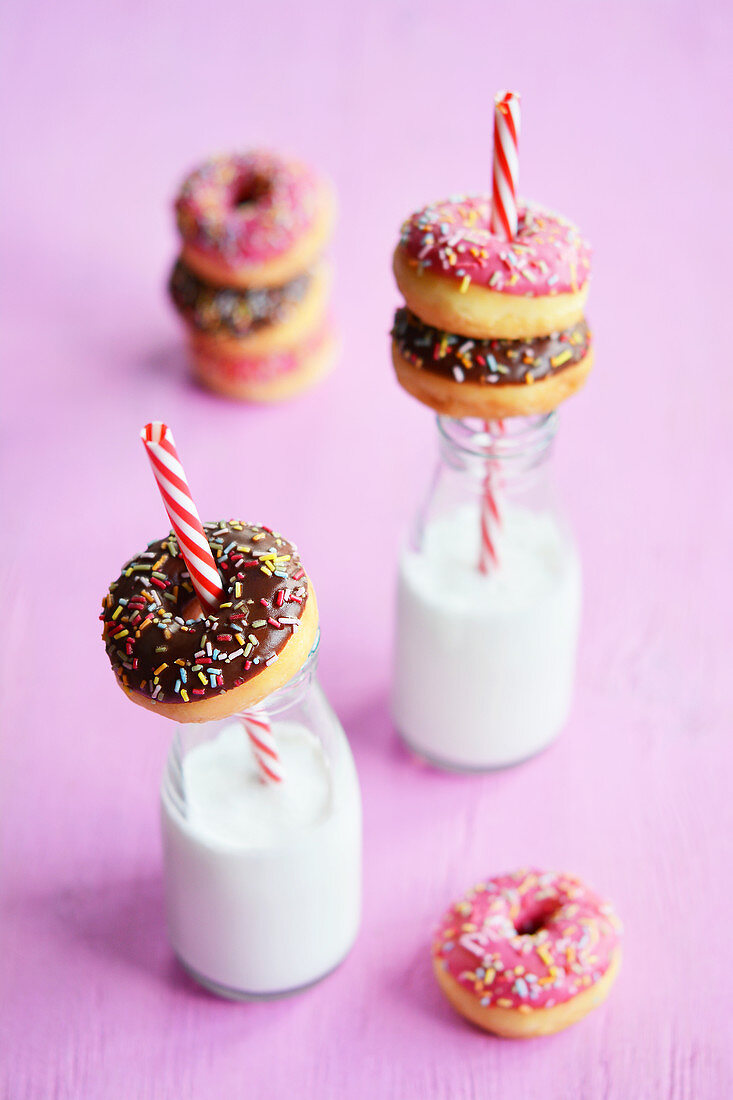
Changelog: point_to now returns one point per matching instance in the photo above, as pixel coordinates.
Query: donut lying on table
(527, 953)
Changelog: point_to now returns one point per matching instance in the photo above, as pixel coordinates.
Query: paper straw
(171, 478)
(506, 165)
(263, 746)
(505, 174)
(489, 512)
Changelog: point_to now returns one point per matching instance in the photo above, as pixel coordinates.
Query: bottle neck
(488, 468)
(295, 689)
(512, 448)
(189, 735)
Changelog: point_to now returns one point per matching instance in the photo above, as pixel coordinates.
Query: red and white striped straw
(489, 512)
(263, 746)
(488, 557)
(171, 478)
(507, 117)
(505, 174)
(183, 514)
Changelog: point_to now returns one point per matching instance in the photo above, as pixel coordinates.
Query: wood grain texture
(624, 130)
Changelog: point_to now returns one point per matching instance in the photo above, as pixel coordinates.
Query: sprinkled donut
(253, 219)
(237, 322)
(456, 275)
(169, 657)
(490, 378)
(272, 376)
(232, 311)
(527, 953)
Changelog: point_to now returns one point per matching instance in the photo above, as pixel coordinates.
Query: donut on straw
(183, 514)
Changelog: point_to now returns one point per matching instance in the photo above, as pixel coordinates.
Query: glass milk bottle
(485, 660)
(263, 880)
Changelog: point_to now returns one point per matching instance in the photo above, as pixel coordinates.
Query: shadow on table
(368, 726)
(167, 362)
(122, 919)
(374, 738)
(414, 987)
(170, 363)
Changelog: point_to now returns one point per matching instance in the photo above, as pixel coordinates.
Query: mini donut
(191, 667)
(253, 219)
(235, 321)
(463, 376)
(274, 376)
(527, 953)
(456, 275)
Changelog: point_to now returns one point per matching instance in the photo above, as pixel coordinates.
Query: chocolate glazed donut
(191, 667)
(230, 310)
(490, 362)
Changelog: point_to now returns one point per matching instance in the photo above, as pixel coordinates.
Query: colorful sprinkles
(264, 367)
(155, 650)
(527, 940)
(248, 208)
(218, 310)
(547, 256)
(488, 362)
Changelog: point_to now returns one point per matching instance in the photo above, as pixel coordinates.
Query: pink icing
(453, 238)
(261, 368)
(248, 208)
(527, 940)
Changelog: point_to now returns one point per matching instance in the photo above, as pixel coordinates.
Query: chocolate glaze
(228, 311)
(488, 362)
(155, 650)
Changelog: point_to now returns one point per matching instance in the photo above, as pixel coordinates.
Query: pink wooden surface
(625, 129)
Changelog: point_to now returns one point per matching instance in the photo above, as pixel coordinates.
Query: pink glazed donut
(527, 953)
(457, 275)
(268, 376)
(253, 219)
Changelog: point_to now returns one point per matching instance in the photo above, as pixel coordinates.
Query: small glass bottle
(263, 881)
(485, 661)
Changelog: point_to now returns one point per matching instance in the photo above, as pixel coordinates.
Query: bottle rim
(511, 439)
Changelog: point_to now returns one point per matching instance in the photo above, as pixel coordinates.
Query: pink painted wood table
(625, 129)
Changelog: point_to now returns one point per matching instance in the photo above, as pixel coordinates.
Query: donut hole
(251, 191)
(534, 917)
(192, 609)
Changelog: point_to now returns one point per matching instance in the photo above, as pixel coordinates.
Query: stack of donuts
(250, 283)
(491, 328)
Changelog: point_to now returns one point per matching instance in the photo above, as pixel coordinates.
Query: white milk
(263, 881)
(484, 665)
